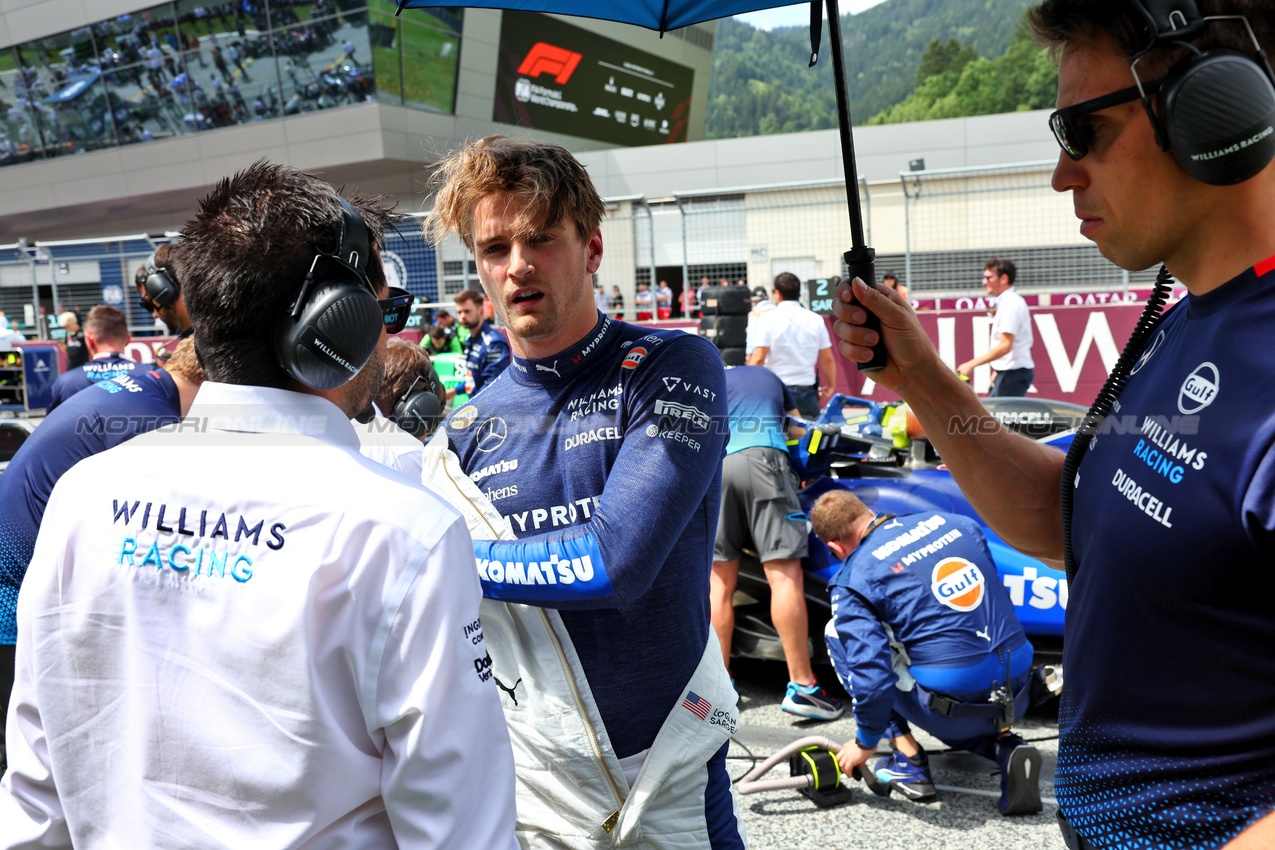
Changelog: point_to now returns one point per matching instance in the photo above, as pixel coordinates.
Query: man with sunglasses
(1168, 717)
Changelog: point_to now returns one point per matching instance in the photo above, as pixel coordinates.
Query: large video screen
(561, 78)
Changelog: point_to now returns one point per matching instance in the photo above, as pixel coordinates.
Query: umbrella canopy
(664, 15)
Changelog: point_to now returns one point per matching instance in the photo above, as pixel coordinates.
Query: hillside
(761, 84)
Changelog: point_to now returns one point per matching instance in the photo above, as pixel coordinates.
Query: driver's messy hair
(546, 181)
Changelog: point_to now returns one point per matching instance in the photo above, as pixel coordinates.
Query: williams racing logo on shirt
(958, 584)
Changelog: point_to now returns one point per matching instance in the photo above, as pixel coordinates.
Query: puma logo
(985, 635)
(554, 370)
(509, 691)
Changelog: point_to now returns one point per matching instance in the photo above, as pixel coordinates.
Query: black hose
(1105, 403)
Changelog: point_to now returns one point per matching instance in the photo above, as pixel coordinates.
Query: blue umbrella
(665, 15)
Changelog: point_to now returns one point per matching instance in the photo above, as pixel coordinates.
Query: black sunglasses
(1063, 121)
(396, 309)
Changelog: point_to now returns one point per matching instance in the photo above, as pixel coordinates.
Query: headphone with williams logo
(1217, 106)
(333, 325)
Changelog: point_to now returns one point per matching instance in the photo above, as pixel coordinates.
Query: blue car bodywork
(854, 451)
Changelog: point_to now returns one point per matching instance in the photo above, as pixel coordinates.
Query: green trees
(952, 84)
(898, 68)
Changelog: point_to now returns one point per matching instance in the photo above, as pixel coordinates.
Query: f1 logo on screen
(544, 58)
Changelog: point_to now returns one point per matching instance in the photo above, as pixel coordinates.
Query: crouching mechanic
(269, 649)
(923, 632)
(599, 469)
(760, 509)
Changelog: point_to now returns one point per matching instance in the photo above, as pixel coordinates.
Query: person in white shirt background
(1011, 351)
(789, 341)
(280, 646)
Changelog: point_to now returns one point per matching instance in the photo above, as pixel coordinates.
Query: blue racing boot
(910, 776)
(811, 701)
(1020, 776)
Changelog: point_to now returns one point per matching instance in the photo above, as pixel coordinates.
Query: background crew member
(1172, 565)
(486, 351)
(99, 417)
(789, 340)
(891, 280)
(278, 639)
(1011, 351)
(391, 431)
(926, 582)
(159, 291)
(760, 511)
(597, 447)
(106, 336)
(76, 352)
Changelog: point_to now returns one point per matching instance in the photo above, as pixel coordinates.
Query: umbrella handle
(860, 259)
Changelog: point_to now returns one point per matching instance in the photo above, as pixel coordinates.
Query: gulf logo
(958, 584)
(635, 356)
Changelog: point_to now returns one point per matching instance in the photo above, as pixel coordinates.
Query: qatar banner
(1074, 348)
(1088, 298)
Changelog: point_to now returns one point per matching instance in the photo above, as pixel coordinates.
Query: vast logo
(546, 59)
(1199, 389)
(958, 584)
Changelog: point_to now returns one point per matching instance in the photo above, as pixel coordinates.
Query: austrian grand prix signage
(561, 78)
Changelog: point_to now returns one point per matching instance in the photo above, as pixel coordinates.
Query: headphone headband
(1168, 20)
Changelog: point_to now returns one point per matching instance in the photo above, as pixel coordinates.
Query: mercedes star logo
(492, 434)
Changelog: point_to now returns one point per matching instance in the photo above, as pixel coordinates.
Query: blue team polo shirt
(1168, 716)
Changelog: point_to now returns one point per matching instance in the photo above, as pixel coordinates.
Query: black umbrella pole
(860, 259)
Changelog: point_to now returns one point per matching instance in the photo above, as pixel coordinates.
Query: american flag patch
(697, 705)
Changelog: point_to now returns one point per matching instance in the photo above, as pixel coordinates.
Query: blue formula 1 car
(864, 446)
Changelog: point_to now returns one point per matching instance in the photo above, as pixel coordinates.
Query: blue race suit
(1168, 717)
(486, 354)
(606, 460)
(98, 369)
(924, 582)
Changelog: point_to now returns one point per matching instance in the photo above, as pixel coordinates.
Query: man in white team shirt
(278, 647)
(1011, 351)
(789, 340)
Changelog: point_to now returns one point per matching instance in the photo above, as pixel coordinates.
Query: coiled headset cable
(1105, 403)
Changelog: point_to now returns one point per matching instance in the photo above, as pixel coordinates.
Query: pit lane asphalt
(965, 815)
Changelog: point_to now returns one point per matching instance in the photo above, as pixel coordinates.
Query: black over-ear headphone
(419, 410)
(160, 286)
(332, 327)
(1217, 107)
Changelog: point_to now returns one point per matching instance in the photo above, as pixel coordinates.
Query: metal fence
(39, 280)
(934, 229)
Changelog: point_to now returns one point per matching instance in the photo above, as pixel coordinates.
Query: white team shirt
(383, 441)
(795, 336)
(754, 317)
(1013, 317)
(276, 647)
